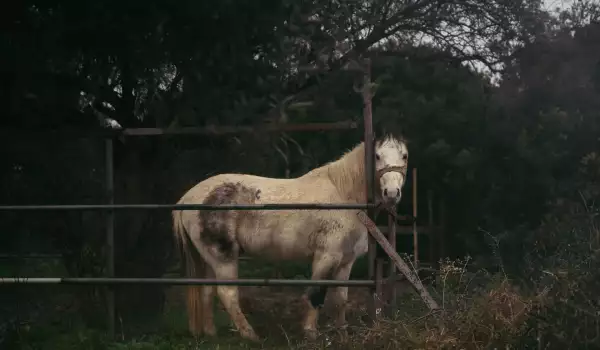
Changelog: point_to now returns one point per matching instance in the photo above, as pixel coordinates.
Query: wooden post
(415, 233)
(110, 236)
(374, 302)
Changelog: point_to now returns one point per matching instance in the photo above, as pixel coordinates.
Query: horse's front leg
(340, 294)
(323, 265)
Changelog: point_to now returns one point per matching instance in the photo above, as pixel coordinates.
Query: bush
(478, 311)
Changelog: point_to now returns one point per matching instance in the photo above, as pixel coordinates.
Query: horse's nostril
(397, 192)
(385, 192)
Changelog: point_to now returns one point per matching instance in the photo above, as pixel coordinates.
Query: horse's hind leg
(322, 267)
(230, 298)
(224, 266)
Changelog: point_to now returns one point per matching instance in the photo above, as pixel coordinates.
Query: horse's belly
(362, 245)
(280, 244)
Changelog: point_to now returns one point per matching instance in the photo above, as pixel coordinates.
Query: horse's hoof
(343, 332)
(311, 334)
(210, 331)
(250, 335)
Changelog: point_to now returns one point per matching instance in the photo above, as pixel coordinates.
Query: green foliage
(71, 339)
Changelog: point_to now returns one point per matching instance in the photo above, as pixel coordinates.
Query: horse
(331, 240)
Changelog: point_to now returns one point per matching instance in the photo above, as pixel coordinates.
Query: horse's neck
(348, 175)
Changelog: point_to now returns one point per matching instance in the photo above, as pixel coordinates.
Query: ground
(479, 311)
(275, 313)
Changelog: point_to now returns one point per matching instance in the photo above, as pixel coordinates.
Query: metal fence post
(375, 303)
(391, 236)
(415, 232)
(110, 235)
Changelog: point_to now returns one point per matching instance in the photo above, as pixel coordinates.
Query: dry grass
(490, 316)
(479, 311)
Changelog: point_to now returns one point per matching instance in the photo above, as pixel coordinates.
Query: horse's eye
(405, 157)
(376, 156)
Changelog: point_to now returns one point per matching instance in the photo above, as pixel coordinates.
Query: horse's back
(273, 190)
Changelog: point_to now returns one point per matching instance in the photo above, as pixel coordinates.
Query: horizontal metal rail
(221, 130)
(184, 281)
(205, 130)
(266, 206)
(408, 230)
(30, 256)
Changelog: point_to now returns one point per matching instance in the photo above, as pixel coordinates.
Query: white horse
(331, 239)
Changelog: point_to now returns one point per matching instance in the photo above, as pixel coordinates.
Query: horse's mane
(347, 174)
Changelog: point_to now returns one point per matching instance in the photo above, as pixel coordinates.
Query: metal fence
(266, 206)
(186, 281)
(375, 280)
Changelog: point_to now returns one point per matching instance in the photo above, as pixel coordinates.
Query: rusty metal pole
(391, 236)
(104, 281)
(374, 303)
(415, 233)
(266, 206)
(442, 230)
(110, 236)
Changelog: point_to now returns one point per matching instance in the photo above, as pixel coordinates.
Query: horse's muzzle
(391, 195)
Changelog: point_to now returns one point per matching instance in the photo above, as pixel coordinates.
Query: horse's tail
(193, 266)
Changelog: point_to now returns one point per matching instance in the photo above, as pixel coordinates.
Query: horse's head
(391, 164)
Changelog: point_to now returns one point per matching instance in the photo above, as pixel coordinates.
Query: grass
(63, 327)
(479, 311)
(276, 314)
